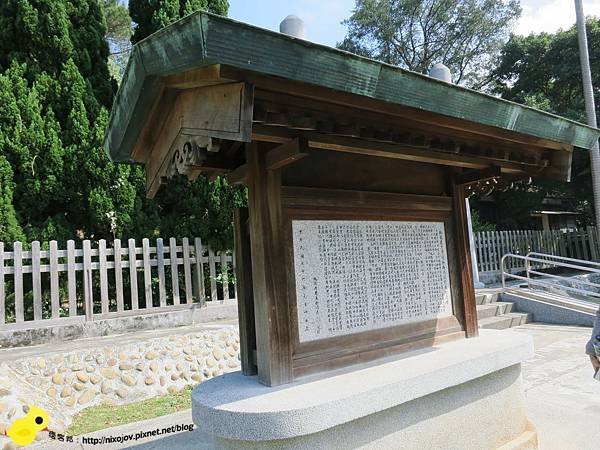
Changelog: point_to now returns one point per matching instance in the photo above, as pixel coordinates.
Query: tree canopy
(55, 87)
(543, 71)
(465, 35)
(56, 182)
(118, 35)
(152, 15)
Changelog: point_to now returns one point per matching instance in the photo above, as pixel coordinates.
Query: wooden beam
(411, 153)
(376, 125)
(472, 176)
(278, 135)
(205, 76)
(286, 154)
(245, 294)
(428, 119)
(215, 162)
(463, 256)
(238, 175)
(321, 141)
(306, 197)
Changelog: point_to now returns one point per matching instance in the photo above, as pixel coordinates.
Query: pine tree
(10, 230)
(56, 181)
(152, 15)
(54, 92)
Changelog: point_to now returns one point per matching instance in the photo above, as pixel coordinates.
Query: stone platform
(464, 394)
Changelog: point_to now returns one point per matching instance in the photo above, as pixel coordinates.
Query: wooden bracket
(286, 154)
(238, 175)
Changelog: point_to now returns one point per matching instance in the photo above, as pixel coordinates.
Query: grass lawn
(104, 416)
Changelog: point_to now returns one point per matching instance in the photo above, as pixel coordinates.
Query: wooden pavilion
(323, 136)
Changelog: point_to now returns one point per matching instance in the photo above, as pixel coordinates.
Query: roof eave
(203, 39)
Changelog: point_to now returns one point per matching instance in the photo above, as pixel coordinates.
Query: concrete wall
(58, 333)
(549, 313)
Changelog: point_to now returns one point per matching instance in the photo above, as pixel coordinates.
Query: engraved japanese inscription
(354, 276)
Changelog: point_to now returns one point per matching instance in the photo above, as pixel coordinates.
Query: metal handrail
(556, 261)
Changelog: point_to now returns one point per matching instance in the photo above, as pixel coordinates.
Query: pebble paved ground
(562, 398)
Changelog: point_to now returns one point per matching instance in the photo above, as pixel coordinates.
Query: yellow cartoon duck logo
(23, 430)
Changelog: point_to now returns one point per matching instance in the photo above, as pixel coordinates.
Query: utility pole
(590, 107)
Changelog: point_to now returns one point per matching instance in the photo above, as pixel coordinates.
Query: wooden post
(118, 253)
(478, 247)
(273, 339)
(133, 275)
(234, 268)
(213, 274)
(584, 246)
(103, 276)
(187, 271)
(36, 280)
(88, 294)
(199, 273)
(593, 248)
(245, 297)
(174, 272)
(71, 278)
(225, 272)
(464, 261)
(18, 279)
(147, 272)
(54, 294)
(160, 263)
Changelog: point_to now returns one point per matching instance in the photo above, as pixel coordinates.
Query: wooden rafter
(286, 154)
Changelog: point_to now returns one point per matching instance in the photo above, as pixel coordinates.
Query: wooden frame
(324, 204)
(280, 357)
(360, 137)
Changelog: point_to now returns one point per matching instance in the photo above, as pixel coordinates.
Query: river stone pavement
(65, 383)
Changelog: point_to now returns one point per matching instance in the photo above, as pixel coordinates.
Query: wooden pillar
(273, 339)
(245, 297)
(464, 260)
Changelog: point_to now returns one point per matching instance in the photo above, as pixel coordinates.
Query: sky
(323, 17)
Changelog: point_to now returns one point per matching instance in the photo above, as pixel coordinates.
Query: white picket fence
(41, 287)
(492, 245)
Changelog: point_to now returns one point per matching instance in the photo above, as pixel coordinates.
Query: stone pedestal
(461, 395)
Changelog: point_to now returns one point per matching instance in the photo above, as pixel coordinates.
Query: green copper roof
(203, 39)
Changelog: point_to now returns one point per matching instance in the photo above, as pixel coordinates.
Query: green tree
(10, 230)
(543, 71)
(152, 15)
(55, 90)
(480, 225)
(56, 181)
(465, 35)
(119, 30)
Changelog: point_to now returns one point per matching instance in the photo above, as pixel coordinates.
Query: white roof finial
(441, 72)
(293, 26)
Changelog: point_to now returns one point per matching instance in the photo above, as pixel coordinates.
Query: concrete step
(485, 298)
(493, 309)
(505, 321)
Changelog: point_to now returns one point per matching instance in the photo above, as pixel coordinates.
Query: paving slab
(563, 399)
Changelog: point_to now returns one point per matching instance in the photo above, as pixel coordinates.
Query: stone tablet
(355, 276)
